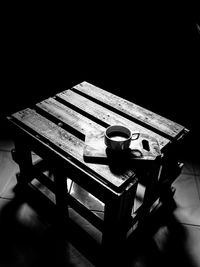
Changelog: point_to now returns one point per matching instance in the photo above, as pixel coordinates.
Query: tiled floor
(27, 239)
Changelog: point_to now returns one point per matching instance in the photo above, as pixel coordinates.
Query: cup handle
(135, 136)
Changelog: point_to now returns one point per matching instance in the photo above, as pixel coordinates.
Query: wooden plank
(69, 116)
(146, 116)
(107, 116)
(50, 130)
(70, 144)
(85, 212)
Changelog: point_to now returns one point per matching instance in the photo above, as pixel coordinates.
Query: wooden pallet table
(56, 129)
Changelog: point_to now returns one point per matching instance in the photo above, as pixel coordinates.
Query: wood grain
(107, 116)
(70, 144)
(143, 115)
(69, 116)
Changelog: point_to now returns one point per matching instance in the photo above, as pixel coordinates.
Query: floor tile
(197, 179)
(186, 194)
(178, 245)
(188, 168)
(6, 138)
(7, 191)
(188, 216)
(191, 167)
(77, 259)
(187, 200)
(8, 168)
(6, 145)
(3, 202)
(196, 167)
(193, 244)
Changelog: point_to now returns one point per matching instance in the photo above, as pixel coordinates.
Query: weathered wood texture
(86, 108)
(170, 128)
(69, 143)
(69, 116)
(106, 116)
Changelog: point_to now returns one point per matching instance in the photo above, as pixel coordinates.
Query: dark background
(147, 54)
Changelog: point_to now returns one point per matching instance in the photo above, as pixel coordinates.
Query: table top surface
(69, 116)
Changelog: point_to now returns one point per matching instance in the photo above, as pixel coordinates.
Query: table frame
(118, 210)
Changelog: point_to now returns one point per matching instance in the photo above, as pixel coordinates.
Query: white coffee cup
(118, 137)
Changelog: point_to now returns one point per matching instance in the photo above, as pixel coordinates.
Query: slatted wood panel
(106, 116)
(69, 116)
(69, 143)
(86, 108)
(168, 127)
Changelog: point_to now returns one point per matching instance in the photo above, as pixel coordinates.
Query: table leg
(151, 192)
(60, 181)
(170, 173)
(22, 155)
(117, 216)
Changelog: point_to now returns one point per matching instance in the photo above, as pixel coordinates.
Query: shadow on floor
(32, 234)
(161, 241)
(29, 238)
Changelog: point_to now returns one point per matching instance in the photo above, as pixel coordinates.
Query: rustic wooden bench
(55, 130)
